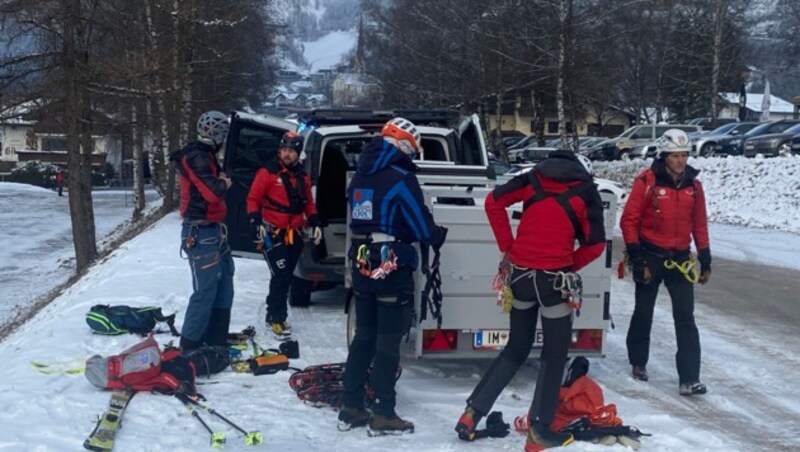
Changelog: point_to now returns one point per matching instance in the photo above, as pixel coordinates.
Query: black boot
(217, 330)
(188, 344)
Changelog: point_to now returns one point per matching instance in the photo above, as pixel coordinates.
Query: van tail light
(439, 340)
(587, 340)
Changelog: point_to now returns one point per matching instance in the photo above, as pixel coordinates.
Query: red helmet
(403, 130)
(292, 140)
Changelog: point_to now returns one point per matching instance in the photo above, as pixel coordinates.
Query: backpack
(114, 320)
(209, 359)
(143, 367)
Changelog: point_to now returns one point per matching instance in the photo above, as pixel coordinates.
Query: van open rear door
(252, 141)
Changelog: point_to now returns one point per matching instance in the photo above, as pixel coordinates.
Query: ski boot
(691, 388)
(350, 418)
(380, 425)
(540, 437)
(467, 423)
(640, 373)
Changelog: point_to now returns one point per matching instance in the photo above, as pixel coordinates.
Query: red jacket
(269, 195)
(202, 191)
(665, 214)
(546, 237)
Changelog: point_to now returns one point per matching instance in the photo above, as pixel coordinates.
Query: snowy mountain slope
(56, 412)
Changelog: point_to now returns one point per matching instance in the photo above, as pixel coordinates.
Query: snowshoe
(380, 425)
(692, 388)
(350, 418)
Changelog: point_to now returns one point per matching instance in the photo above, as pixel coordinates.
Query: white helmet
(673, 140)
(212, 127)
(587, 164)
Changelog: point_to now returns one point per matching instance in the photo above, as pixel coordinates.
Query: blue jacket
(384, 196)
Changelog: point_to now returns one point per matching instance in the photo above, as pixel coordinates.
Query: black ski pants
(681, 292)
(557, 333)
(281, 259)
(383, 316)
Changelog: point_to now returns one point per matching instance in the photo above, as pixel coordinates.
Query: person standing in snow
(560, 204)
(383, 262)
(60, 182)
(204, 237)
(666, 208)
(279, 204)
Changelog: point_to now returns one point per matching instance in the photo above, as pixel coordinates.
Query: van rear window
(254, 149)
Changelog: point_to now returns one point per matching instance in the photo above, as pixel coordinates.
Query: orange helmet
(405, 134)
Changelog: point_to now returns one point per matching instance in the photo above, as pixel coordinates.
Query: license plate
(495, 339)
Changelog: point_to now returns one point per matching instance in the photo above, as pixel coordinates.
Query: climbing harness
(570, 285)
(688, 269)
(388, 262)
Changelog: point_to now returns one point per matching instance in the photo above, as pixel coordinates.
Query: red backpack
(143, 367)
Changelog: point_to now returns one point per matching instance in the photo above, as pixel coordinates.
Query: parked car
(637, 137)
(771, 144)
(704, 143)
(709, 124)
(603, 185)
(527, 141)
(735, 144)
(333, 142)
(530, 154)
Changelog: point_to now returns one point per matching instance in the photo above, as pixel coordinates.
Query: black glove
(255, 225)
(313, 221)
(495, 427)
(638, 264)
(704, 257)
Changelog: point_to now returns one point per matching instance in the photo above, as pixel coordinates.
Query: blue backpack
(115, 320)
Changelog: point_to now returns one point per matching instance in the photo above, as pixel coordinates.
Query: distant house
(613, 122)
(24, 139)
(354, 89)
(778, 108)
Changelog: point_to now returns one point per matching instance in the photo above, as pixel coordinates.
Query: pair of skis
(102, 437)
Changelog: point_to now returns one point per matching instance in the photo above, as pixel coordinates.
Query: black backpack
(115, 320)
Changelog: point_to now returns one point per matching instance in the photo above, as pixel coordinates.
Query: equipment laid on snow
(252, 438)
(114, 320)
(102, 437)
(142, 367)
(583, 414)
(321, 385)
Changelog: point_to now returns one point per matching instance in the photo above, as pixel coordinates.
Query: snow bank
(760, 193)
(11, 188)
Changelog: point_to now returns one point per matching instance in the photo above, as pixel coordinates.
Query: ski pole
(250, 438)
(217, 438)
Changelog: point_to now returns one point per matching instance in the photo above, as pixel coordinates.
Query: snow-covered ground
(56, 412)
(36, 238)
(751, 404)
